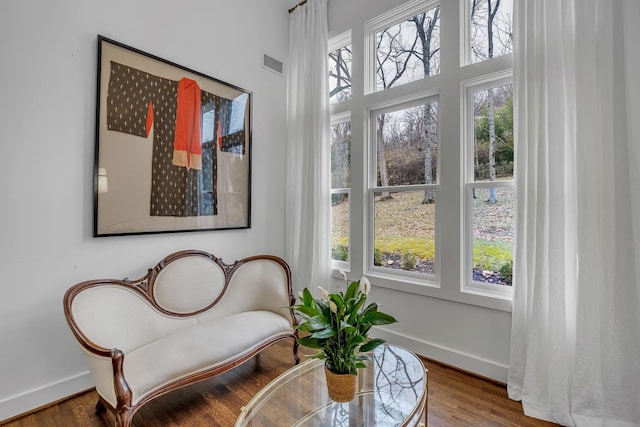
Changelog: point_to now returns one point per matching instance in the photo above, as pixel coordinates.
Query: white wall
(47, 116)
(467, 336)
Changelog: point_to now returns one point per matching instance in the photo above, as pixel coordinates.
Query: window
(403, 190)
(490, 29)
(340, 189)
(489, 198)
(430, 188)
(340, 69)
(408, 50)
(340, 134)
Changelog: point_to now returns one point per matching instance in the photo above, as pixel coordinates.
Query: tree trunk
(382, 160)
(428, 166)
(429, 120)
(492, 146)
(492, 123)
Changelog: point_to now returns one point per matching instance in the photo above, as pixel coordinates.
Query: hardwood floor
(455, 399)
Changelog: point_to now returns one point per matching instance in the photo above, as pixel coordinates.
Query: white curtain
(575, 344)
(308, 213)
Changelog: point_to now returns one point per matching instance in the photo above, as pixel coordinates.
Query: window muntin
(490, 29)
(340, 189)
(408, 50)
(340, 74)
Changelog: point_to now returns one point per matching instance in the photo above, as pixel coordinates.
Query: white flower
(301, 295)
(324, 293)
(343, 275)
(333, 307)
(365, 285)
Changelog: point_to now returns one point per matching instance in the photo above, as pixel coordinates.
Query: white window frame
(452, 220)
(342, 117)
(468, 88)
(340, 113)
(386, 20)
(335, 43)
(465, 37)
(413, 100)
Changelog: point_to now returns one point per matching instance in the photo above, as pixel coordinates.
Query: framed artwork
(173, 147)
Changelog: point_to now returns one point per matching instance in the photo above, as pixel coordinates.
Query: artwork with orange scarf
(194, 131)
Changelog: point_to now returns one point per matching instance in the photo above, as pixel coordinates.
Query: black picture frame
(172, 147)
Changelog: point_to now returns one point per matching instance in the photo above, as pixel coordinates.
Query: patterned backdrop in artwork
(175, 191)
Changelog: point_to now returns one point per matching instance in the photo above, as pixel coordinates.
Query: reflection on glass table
(391, 392)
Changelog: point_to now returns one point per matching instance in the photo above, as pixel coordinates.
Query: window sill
(434, 289)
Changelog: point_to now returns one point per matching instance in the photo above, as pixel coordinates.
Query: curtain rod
(299, 4)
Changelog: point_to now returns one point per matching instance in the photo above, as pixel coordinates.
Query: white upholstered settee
(190, 317)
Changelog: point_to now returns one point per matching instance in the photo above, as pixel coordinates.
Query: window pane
(409, 50)
(404, 232)
(491, 29)
(493, 236)
(493, 134)
(340, 226)
(407, 146)
(341, 155)
(340, 74)
(340, 178)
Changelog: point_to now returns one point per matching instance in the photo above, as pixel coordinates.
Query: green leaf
(370, 308)
(338, 300)
(318, 322)
(370, 345)
(309, 311)
(377, 318)
(360, 365)
(311, 342)
(352, 291)
(324, 333)
(307, 298)
(323, 306)
(357, 340)
(318, 355)
(359, 304)
(347, 327)
(312, 326)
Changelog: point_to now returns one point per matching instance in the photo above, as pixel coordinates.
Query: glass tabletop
(391, 392)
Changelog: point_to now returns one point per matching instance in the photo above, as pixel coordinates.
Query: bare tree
(341, 155)
(340, 60)
(425, 34)
(390, 52)
(492, 7)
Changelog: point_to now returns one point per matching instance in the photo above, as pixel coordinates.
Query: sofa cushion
(199, 348)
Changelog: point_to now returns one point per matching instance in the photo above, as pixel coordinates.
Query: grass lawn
(404, 227)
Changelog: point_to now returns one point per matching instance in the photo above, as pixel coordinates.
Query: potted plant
(338, 325)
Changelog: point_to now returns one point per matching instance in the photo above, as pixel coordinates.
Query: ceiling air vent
(272, 64)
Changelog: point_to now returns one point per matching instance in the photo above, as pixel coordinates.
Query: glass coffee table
(391, 391)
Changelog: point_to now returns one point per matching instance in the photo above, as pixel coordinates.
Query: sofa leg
(100, 407)
(124, 417)
(295, 352)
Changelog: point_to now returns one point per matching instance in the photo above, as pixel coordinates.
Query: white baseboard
(466, 362)
(41, 396)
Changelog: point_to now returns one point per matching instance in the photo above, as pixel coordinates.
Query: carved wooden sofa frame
(188, 303)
